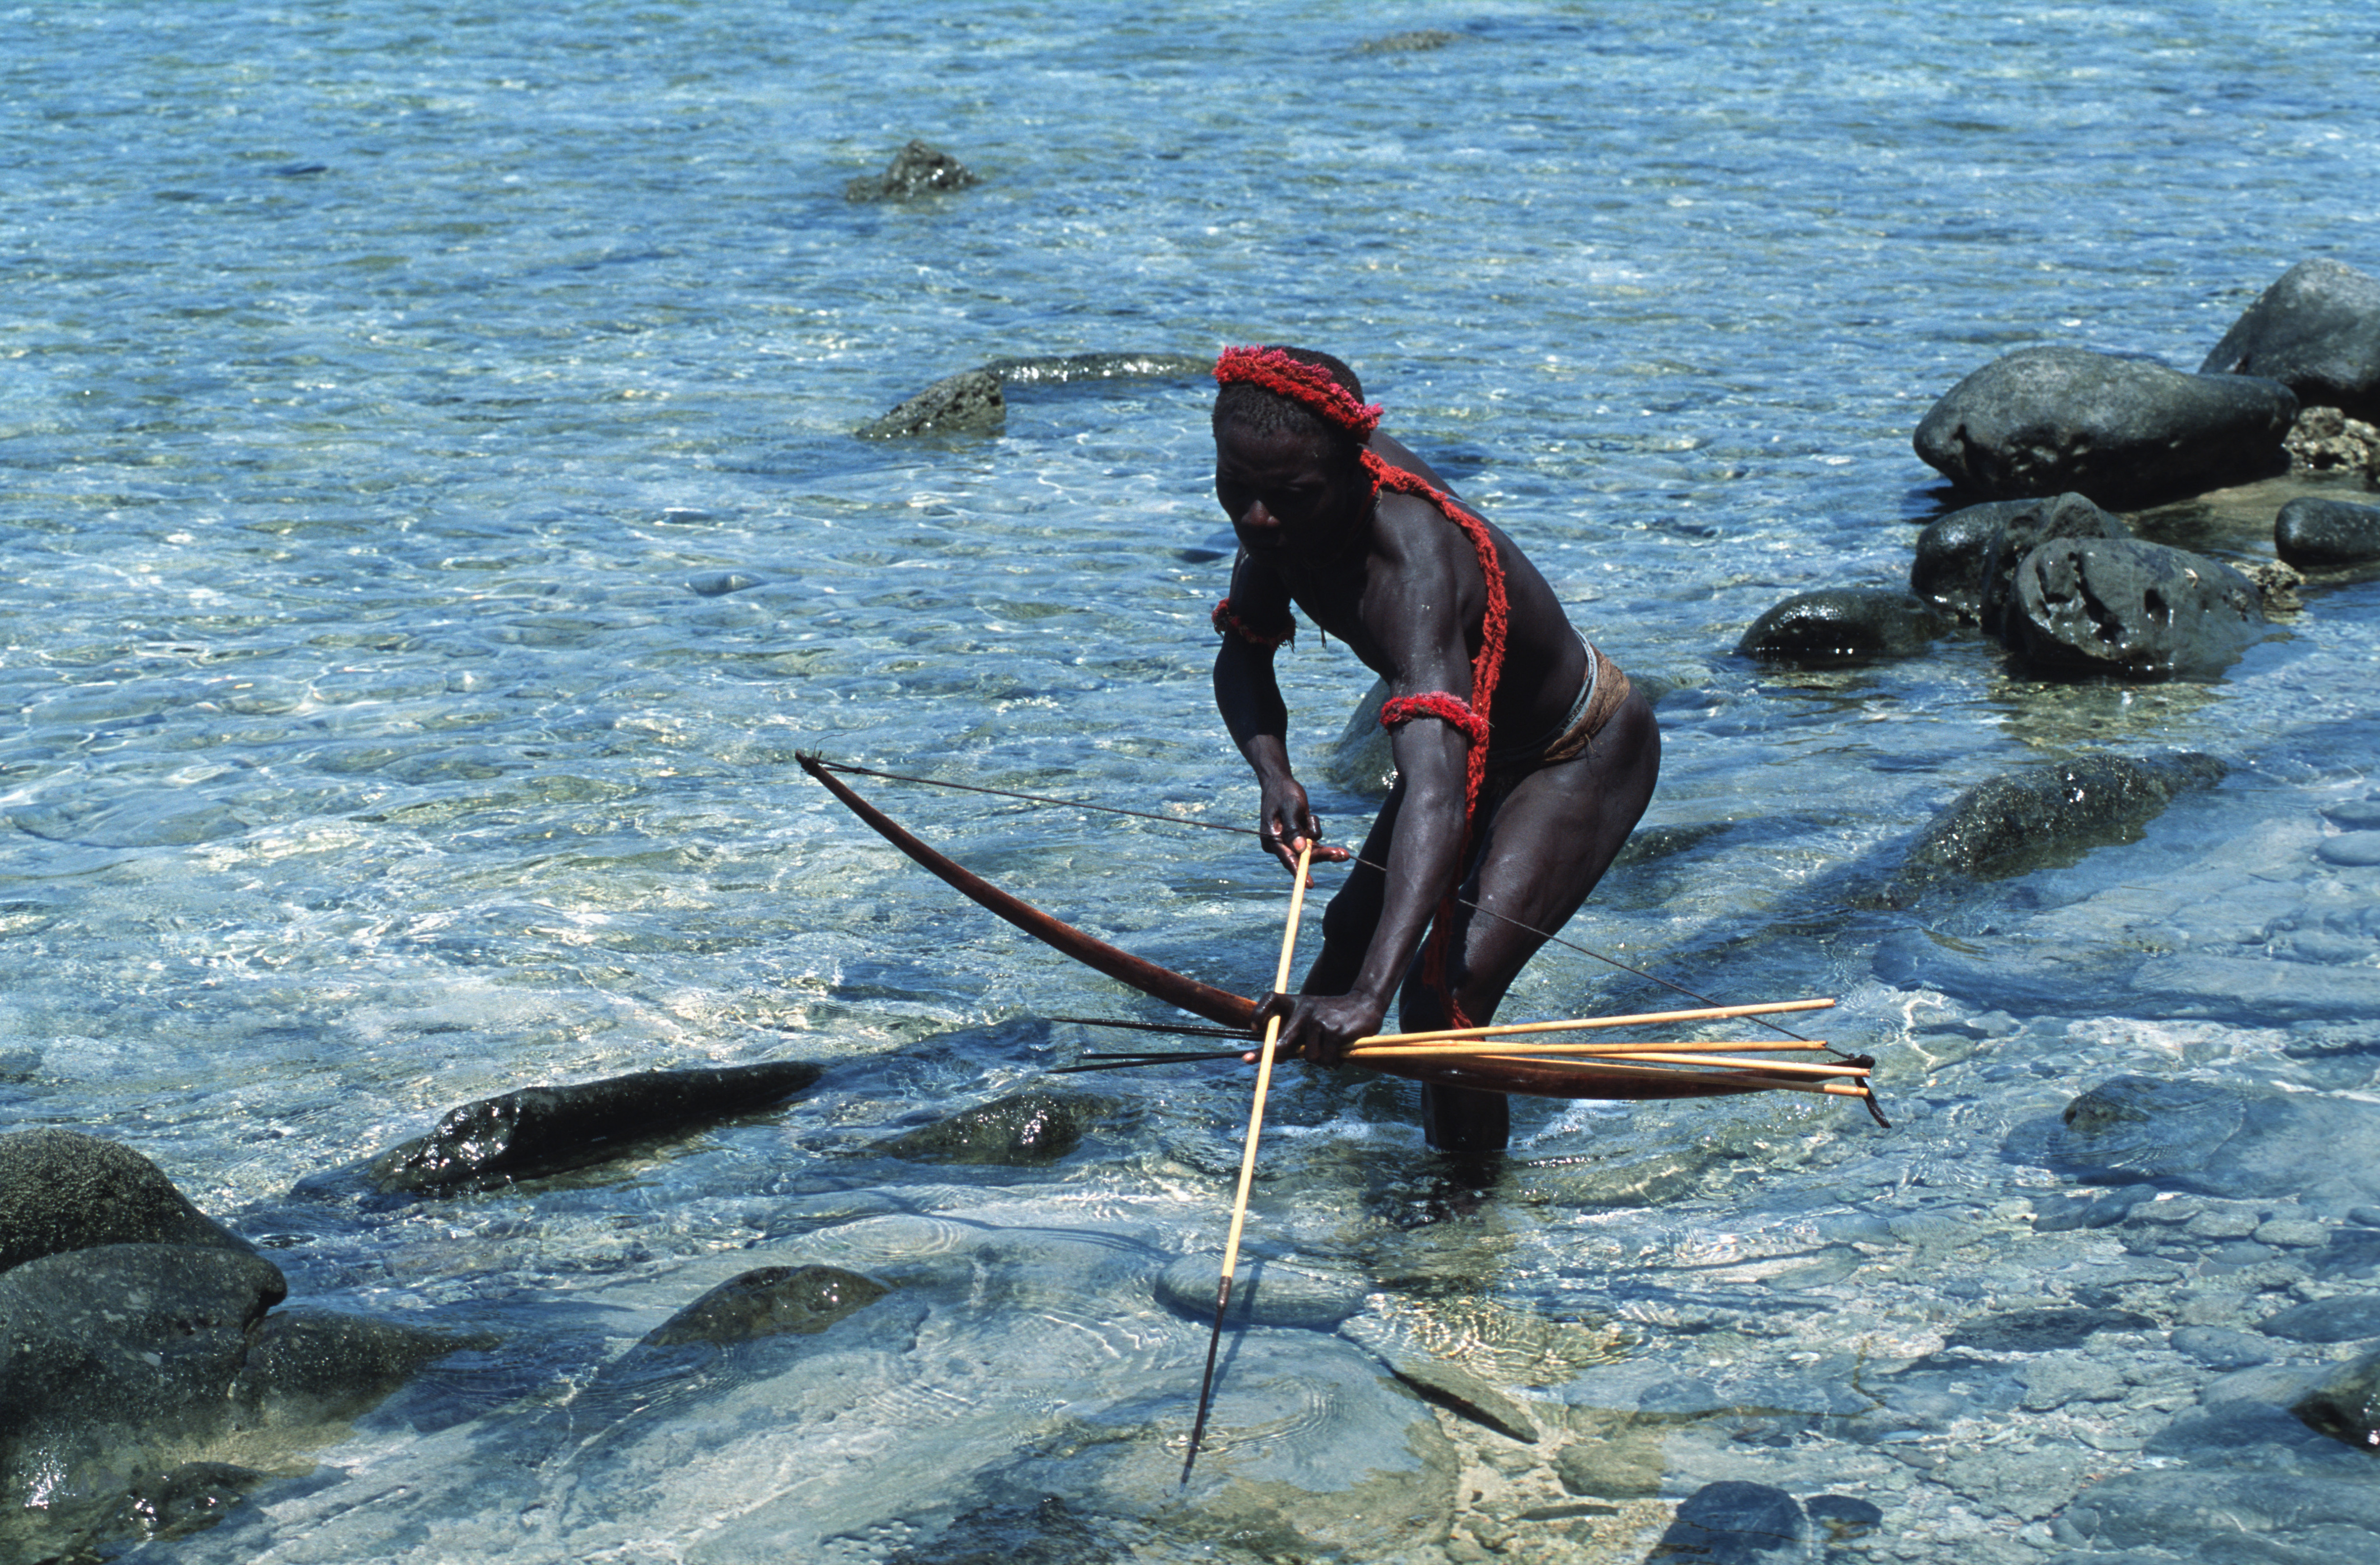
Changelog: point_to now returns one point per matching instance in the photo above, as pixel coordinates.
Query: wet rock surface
(2322, 534)
(769, 1302)
(2317, 330)
(975, 402)
(917, 169)
(2052, 814)
(967, 403)
(61, 1190)
(2345, 1404)
(2129, 610)
(1946, 567)
(2046, 420)
(540, 1131)
(2014, 540)
(1019, 1130)
(115, 1354)
(1842, 625)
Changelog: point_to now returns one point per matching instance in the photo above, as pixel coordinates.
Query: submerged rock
(2317, 330)
(61, 1190)
(1264, 1292)
(2345, 1404)
(916, 170)
(2047, 816)
(966, 402)
(1420, 40)
(321, 1367)
(769, 1302)
(2348, 1319)
(2236, 1141)
(1735, 1523)
(2138, 1127)
(2285, 1515)
(2045, 419)
(188, 1499)
(115, 1354)
(546, 1129)
(1020, 1130)
(2129, 609)
(974, 401)
(2312, 534)
(1463, 1394)
(2042, 1331)
(1842, 625)
(1311, 1453)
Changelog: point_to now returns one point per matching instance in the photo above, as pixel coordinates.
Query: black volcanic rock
(2312, 534)
(2046, 420)
(2129, 609)
(1842, 625)
(916, 170)
(2317, 330)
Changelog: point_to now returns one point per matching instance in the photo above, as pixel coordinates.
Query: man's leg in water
(1548, 844)
(1354, 909)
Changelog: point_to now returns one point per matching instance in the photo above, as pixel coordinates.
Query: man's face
(1286, 492)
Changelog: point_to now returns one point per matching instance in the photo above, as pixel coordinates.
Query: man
(1523, 758)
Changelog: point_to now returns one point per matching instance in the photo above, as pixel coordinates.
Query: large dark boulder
(916, 170)
(2129, 609)
(2314, 533)
(61, 1190)
(1844, 625)
(2046, 420)
(969, 402)
(1020, 1130)
(541, 1131)
(2317, 331)
(2043, 815)
(110, 1355)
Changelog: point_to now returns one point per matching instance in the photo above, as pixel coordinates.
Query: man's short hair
(1252, 407)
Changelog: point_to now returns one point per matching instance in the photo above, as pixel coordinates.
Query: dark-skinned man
(1523, 758)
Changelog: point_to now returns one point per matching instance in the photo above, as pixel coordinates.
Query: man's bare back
(1360, 534)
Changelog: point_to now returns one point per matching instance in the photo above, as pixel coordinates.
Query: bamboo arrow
(1248, 1159)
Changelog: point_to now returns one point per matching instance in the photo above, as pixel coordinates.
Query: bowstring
(1546, 935)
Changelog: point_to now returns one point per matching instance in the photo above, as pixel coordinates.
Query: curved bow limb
(1218, 1006)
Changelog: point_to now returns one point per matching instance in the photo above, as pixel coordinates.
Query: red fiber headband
(1308, 385)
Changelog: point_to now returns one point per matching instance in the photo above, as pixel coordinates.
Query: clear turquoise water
(381, 386)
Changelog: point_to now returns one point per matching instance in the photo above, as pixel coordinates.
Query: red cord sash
(1470, 717)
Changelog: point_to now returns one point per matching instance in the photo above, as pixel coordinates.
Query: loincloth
(1599, 695)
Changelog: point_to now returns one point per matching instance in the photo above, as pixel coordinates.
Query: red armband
(1226, 623)
(1435, 704)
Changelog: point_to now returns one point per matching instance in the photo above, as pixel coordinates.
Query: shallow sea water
(428, 527)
